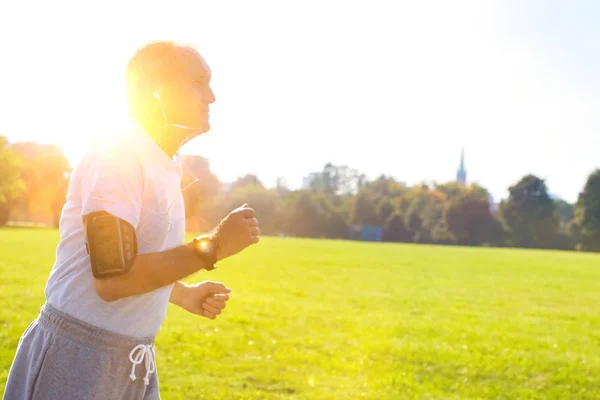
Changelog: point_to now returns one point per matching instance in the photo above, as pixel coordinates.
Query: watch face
(205, 246)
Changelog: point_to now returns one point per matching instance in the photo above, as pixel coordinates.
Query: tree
(337, 227)
(566, 216)
(305, 220)
(433, 227)
(62, 187)
(246, 180)
(265, 202)
(385, 209)
(394, 229)
(12, 186)
(45, 173)
(587, 229)
(337, 180)
(452, 189)
(413, 220)
(363, 210)
(424, 216)
(564, 210)
(529, 214)
(383, 186)
(200, 194)
(469, 219)
(281, 186)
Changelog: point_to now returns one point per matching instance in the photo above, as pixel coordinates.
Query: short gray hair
(151, 65)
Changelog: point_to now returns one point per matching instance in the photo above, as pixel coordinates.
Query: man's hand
(206, 298)
(237, 231)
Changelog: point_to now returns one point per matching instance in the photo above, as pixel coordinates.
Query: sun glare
(96, 116)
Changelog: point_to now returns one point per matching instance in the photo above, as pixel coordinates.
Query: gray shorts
(59, 357)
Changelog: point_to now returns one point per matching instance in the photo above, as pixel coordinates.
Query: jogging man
(122, 251)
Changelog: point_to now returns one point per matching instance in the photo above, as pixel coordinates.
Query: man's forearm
(151, 271)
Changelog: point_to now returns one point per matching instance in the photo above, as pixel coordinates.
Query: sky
(386, 87)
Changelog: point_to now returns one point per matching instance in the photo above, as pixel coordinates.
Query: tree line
(335, 201)
(339, 198)
(33, 182)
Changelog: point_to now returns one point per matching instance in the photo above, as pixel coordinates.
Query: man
(122, 252)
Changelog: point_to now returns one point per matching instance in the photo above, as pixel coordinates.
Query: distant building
(461, 174)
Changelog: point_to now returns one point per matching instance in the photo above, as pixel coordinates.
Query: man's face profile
(187, 95)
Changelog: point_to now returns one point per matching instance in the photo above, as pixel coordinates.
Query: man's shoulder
(116, 151)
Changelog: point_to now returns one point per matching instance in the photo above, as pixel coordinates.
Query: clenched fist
(238, 230)
(207, 299)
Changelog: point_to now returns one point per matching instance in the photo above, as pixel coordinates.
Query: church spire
(461, 175)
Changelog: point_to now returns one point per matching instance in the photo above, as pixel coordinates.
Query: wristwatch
(205, 248)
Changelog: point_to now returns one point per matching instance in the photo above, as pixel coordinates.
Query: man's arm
(151, 271)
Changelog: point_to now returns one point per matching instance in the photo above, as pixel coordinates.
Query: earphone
(167, 125)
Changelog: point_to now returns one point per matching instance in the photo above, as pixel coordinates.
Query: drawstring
(144, 353)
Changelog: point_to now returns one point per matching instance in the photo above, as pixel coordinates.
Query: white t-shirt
(132, 178)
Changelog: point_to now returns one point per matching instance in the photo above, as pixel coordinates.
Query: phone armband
(111, 244)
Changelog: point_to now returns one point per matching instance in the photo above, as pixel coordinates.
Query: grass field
(313, 319)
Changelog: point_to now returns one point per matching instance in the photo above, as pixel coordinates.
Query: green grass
(313, 319)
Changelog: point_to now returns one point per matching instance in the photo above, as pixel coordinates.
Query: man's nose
(211, 97)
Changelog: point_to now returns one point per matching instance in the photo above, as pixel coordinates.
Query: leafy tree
(564, 210)
(469, 219)
(281, 186)
(587, 229)
(337, 180)
(529, 214)
(45, 174)
(337, 226)
(12, 186)
(394, 229)
(264, 201)
(384, 210)
(246, 180)
(383, 187)
(452, 189)
(425, 215)
(363, 210)
(305, 220)
(200, 193)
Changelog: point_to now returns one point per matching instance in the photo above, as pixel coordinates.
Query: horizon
(322, 83)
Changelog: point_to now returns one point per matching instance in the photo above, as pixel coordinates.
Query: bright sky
(394, 87)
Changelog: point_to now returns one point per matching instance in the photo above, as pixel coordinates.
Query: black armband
(111, 244)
